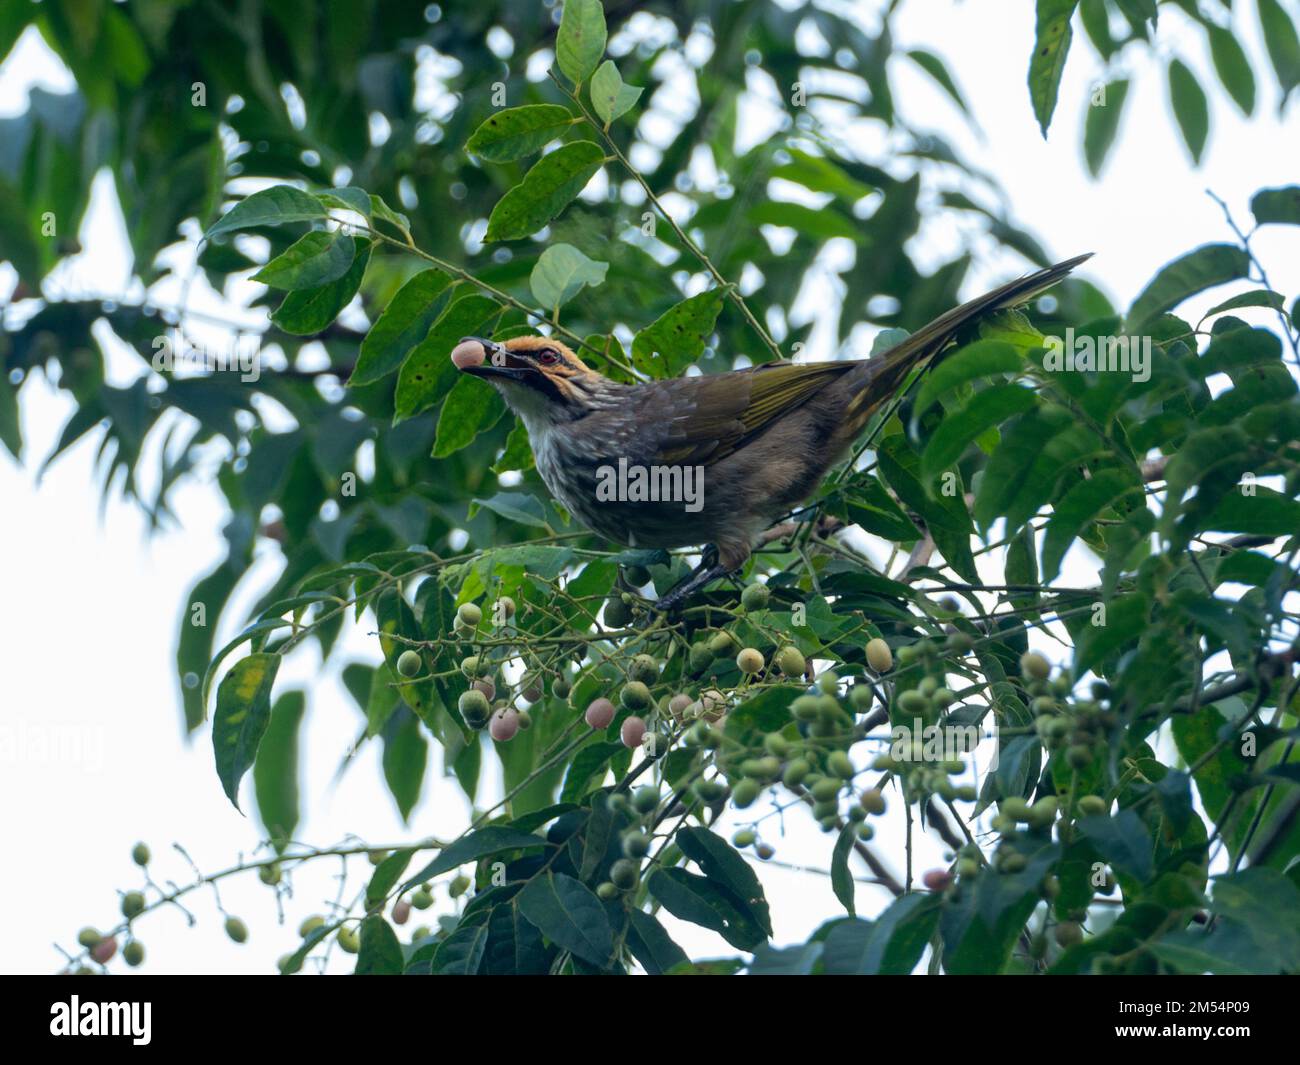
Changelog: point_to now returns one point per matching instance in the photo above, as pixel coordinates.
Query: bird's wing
(706, 418)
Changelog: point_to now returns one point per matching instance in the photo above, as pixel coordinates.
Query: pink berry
(104, 949)
(937, 879)
(600, 714)
(401, 911)
(632, 732)
(504, 725)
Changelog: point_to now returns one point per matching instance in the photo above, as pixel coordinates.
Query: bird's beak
(494, 361)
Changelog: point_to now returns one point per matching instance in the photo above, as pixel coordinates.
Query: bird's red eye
(547, 357)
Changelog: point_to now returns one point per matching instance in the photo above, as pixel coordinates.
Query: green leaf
(316, 259)
(841, 878)
(581, 40)
(428, 374)
(869, 505)
(1125, 620)
(493, 839)
(651, 944)
(701, 901)
(984, 358)
(1265, 513)
(386, 876)
(561, 273)
(1191, 108)
(518, 452)
(721, 863)
(311, 310)
(242, 714)
(934, 66)
(1260, 297)
(588, 769)
(985, 410)
(516, 506)
(348, 199)
(403, 324)
(1283, 44)
(546, 190)
(518, 131)
(1102, 123)
(945, 516)
(611, 99)
(890, 945)
(270, 207)
(1123, 840)
(472, 407)
(1080, 506)
(10, 425)
(1207, 266)
(1052, 35)
(1280, 206)
(380, 953)
(461, 953)
(275, 769)
(406, 756)
(677, 337)
(1232, 66)
(568, 913)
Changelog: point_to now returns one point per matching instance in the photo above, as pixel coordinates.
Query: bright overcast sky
(92, 756)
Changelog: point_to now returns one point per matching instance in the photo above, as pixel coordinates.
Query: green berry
(865, 831)
(862, 697)
(1079, 756)
(879, 657)
(132, 904)
(839, 764)
(140, 854)
(960, 642)
(644, 668)
(636, 576)
(1035, 666)
(236, 929)
(561, 688)
(700, 658)
(827, 788)
(133, 953)
(469, 615)
(310, 924)
(722, 644)
(791, 662)
(636, 844)
(617, 612)
(624, 874)
(88, 937)
(349, 940)
(796, 772)
(776, 744)
(470, 666)
(409, 663)
(913, 702)
(606, 891)
(474, 708)
(750, 661)
(422, 898)
(746, 792)
(458, 886)
(1015, 808)
(645, 800)
(636, 696)
(1093, 806)
(755, 597)
(873, 801)
(744, 837)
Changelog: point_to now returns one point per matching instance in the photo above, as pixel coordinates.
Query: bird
(710, 460)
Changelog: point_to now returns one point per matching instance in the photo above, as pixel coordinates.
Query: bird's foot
(706, 572)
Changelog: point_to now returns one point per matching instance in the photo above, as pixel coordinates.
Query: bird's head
(540, 377)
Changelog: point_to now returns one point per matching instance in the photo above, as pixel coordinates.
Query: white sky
(91, 752)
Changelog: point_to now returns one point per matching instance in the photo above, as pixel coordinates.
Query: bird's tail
(885, 374)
